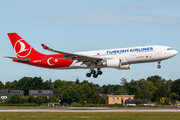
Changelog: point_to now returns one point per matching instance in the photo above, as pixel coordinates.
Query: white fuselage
(132, 55)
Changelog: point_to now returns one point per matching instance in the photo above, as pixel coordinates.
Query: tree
(120, 92)
(110, 90)
(124, 83)
(152, 88)
(133, 89)
(24, 99)
(1, 86)
(173, 97)
(156, 80)
(77, 81)
(35, 83)
(22, 82)
(58, 83)
(86, 89)
(167, 101)
(8, 85)
(12, 85)
(46, 85)
(150, 96)
(65, 95)
(15, 85)
(50, 84)
(39, 99)
(138, 94)
(53, 99)
(103, 100)
(138, 102)
(176, 87)
(74, 94)
(144, 87)
(168, 85)
(158, 100)
(85, 82)
(59, 96)
(16, 99)
(31, 99)
(95, 88)
(96, 98)
(160, 92)
(89, 101)
(105, 89)
(80, 100)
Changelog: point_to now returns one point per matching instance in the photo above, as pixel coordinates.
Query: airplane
(120, 58)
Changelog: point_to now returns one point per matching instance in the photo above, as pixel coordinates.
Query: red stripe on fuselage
(49, 61)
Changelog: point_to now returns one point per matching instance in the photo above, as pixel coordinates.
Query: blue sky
(83, 25)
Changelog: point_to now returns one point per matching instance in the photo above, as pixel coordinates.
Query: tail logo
(22, 49)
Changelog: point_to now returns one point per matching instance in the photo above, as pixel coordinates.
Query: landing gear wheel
(95, 75)
(88, 75)
(159, 66)
(99, 73)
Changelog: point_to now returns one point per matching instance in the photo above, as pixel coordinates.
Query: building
(177, 104)
(105, 95)
(132, 102)
(48, 93)
(6, 94)
(119, 99)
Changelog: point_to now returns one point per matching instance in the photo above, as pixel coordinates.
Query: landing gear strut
(159, 66)
(95, 73)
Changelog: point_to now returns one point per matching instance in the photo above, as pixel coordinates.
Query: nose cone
(172, 53)
(175, 52)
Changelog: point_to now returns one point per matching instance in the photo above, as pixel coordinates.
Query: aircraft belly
(78, 65)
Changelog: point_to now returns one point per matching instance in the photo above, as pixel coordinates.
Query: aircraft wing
(74, 56)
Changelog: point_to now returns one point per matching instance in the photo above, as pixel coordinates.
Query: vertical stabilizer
(21, 47)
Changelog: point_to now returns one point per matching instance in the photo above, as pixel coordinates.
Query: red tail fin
(21, 47)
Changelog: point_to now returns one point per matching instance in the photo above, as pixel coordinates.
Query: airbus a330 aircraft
(120, 58)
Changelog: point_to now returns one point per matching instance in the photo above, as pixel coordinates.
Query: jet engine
(114, 63)
(111, 63)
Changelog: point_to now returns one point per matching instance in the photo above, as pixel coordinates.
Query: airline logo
(130, 50)
(22, 49)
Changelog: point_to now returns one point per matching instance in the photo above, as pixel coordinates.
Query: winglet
(44, 46)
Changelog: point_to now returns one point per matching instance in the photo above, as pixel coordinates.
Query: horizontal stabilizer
(26, 60)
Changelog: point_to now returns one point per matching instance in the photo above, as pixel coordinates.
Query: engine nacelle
(111, 63)
(125, 67)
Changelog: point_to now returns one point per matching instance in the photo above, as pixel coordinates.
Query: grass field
(45, 107)
(90, 116)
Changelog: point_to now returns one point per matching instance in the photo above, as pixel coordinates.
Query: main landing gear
(159, 66)
(94, 73)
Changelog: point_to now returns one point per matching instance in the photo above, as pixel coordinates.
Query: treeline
(154, 88)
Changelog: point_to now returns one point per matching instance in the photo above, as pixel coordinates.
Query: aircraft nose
(175, 52)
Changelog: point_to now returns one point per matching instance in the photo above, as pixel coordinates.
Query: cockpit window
(170, 49)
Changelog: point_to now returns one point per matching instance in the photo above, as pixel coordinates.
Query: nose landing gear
(92, 71)
(159, 66)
